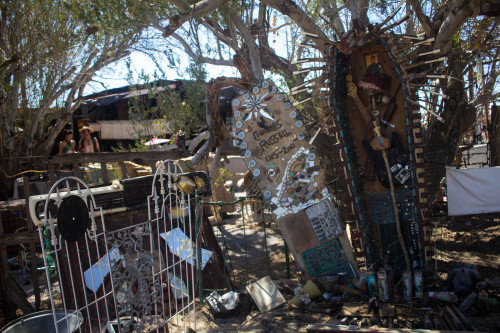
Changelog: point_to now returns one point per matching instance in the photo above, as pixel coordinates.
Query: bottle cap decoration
(293, 179)
(256, 172)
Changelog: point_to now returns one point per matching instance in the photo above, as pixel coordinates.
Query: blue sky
(116, 75)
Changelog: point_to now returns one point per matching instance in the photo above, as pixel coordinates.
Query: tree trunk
(359, 11)
(443, 139)
(494, 131)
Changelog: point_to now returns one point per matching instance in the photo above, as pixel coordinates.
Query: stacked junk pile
(360, 236)
(360, 230)
(374, 302)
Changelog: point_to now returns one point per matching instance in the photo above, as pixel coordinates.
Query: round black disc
(72, 218)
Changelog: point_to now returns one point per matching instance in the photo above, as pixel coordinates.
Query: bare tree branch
(253, 49)
(197, 10)
(459, 13)
(423, 19)
(217, 31)
(302, 19)
(192, 54)
(331, 9)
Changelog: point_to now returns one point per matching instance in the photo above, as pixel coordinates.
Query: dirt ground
(474, 240)
(471, 239)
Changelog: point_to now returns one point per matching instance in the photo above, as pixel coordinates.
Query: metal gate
(138, 277)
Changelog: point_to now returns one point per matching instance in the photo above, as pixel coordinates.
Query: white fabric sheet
(473, 191)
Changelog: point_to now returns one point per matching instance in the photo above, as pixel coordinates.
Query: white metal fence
(136, 278)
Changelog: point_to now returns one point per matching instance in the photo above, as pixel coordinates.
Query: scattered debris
(265, 294)
(227, 305)
(462, 278)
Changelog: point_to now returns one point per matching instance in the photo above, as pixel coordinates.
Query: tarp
(473, 191)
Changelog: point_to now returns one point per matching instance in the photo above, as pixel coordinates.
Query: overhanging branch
(197, 10)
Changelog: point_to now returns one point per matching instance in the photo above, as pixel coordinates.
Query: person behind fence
(87, 143)
(67, 146)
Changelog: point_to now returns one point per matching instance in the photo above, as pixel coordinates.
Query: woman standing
(67, 145)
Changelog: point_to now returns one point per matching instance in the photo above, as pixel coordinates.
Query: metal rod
(265, 236)
(198, 248)
(244, 239)
(287, 260)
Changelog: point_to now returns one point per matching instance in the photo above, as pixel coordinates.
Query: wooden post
(8, 312)
(105, 177)
(32, 246)
(76, 171)
(152, 164)
(52, 174)
(123, 168)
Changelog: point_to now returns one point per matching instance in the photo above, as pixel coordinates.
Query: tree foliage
(264, 37)
(169, 108)
(49, 52)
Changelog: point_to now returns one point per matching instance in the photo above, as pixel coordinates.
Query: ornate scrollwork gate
(137, 277)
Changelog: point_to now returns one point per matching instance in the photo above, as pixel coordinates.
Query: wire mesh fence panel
(126, 277)
(249, 244)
